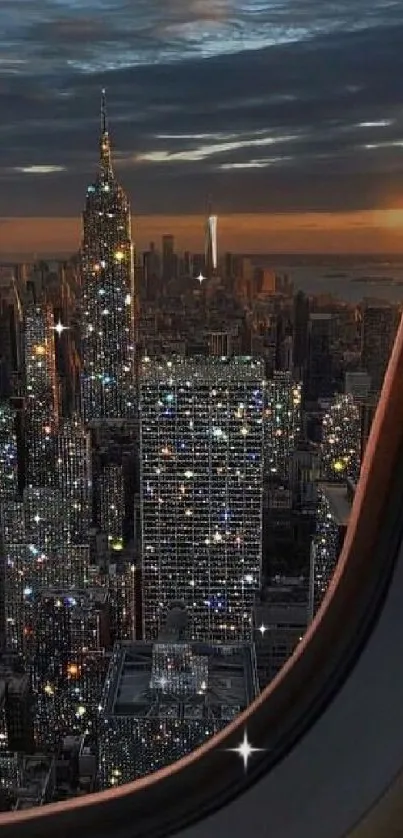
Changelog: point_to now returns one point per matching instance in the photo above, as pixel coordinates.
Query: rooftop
(217, 681)
(280, 615)
(182, 369)
(339, 501)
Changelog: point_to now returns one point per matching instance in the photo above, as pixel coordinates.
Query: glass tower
(210, 243)
(202, 486)
(283, 424)
(107, 317)
(42, 408)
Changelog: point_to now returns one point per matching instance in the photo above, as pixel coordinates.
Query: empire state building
(107, 302)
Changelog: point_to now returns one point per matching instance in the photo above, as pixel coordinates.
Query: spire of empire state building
(105, 149)
(108, 301)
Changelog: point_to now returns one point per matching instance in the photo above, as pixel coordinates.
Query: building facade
(340, 448)
(108, 295)
(201, 482)
(282, 424)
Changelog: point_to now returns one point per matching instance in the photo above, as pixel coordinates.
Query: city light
(176, 479)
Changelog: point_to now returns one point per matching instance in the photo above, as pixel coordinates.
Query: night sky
(273, 106)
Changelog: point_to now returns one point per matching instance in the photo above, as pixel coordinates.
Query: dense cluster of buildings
(180, 439)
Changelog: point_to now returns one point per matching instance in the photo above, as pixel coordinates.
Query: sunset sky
(290, 113)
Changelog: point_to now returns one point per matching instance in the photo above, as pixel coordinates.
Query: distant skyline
(333, 233)
(292, 108)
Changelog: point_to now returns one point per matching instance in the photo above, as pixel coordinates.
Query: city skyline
(183, 414)
(219, 98)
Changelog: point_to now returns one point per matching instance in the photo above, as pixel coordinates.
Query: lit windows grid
(66, 662)
(283, 423)
(108, 303)
(42, 395)
(341, 440)
(73, 468)
(36, 557)
(325, 549)
(8, 454)
(112, 504)
(201, 501)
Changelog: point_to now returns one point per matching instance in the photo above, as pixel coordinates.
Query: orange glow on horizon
(366, 231)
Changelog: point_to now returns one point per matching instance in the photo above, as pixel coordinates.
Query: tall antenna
(104, 117)
(106, 163)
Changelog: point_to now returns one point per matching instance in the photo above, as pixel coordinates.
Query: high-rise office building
(111, 507)
(16, 706)
(300, 332)
(13, 550)
(220, 344)
(68, 635)
(279, 627)
(340, 448)
(108, 295)
(319, 375)
(36, 555)
(42, 401)
(202, 486)
(169, 261)
(379, 326)
(358, 385)
(73, 470)
(211, 244)
(8, 453)
(282, 424)
(10, 333)
(333, 512)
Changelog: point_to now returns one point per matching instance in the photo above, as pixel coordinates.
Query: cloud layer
(282, 106)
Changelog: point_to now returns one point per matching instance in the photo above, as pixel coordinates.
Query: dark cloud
(311, 106)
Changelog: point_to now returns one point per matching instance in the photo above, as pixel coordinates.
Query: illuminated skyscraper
(112, 504)
(13, 554)
(202, 486)
(283, 424)
(108, 301)
(73, 468)
(8, 454)
(210, 245)
(42, 407)
(36, 556)
(341, 440)
(333, 512)
(69, 631)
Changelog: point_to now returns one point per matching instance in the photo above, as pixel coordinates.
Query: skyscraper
(283, 424)
(341, 440)
(73, 469)
(8, 453)
(379, 326)
(211, 252)
(108, 294)
(168, 257)
(300, 332)
(42, 406)
(333, 512)
(202, 487)
(112, 504)
(319, 383)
